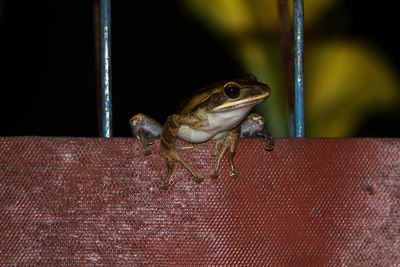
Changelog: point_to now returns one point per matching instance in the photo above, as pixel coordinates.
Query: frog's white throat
(226, 120)
(218, 122)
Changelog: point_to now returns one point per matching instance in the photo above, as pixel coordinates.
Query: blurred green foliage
(346, 80)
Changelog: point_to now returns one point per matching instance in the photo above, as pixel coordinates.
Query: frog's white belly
(218, 122)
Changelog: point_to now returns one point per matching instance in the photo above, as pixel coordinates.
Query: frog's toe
(164, 185)
(214, 174)
(150, 141)
(269, 145)
(234, 173)
(147, 152)
(199, 179)
(269, 148)
(196, 148)
(269, 141)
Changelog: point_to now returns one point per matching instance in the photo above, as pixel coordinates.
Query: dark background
(159, 53)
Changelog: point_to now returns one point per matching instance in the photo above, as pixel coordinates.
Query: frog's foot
(199, 179)
(146, 152)
(150, 141)
(145, 147)
(269, 141)
(164, 185)
(233, 173)
(196, 147)
(214, 174)
(145, 141)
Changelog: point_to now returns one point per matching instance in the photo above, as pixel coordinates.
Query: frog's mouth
(241, 103)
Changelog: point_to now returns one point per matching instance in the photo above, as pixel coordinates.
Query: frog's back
(199, 97)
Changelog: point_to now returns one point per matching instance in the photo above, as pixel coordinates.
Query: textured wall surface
(310, 202)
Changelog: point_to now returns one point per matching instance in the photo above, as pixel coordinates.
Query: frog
(219, 112)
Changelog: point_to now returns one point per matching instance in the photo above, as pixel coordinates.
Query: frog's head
(242, 93)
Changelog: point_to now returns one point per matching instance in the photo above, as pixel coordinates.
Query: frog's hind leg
(172, 156)
(197, 178)
(230, 144)
(170, 168)
(231, 153)
(167, 145)
(214, 174)
(215, 150)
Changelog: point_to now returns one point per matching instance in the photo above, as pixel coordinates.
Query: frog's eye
(232, 90)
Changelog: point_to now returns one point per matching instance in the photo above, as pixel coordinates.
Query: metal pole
(287, 48)
(298, 20)
(105, 55)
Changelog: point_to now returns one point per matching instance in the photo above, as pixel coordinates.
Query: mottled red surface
(310, 202)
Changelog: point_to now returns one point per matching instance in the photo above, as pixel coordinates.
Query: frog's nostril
(266, 88)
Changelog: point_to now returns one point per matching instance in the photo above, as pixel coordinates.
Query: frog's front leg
(253, 126)
(167, 144)
(141, 135)
(230, 144)
(146, 129)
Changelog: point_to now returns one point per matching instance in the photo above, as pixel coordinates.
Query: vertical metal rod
(298, 20)
(105, 55)
(287, 49)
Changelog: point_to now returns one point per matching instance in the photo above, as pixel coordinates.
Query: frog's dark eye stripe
(232, 91)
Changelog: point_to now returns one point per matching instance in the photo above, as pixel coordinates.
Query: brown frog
(213, 113)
